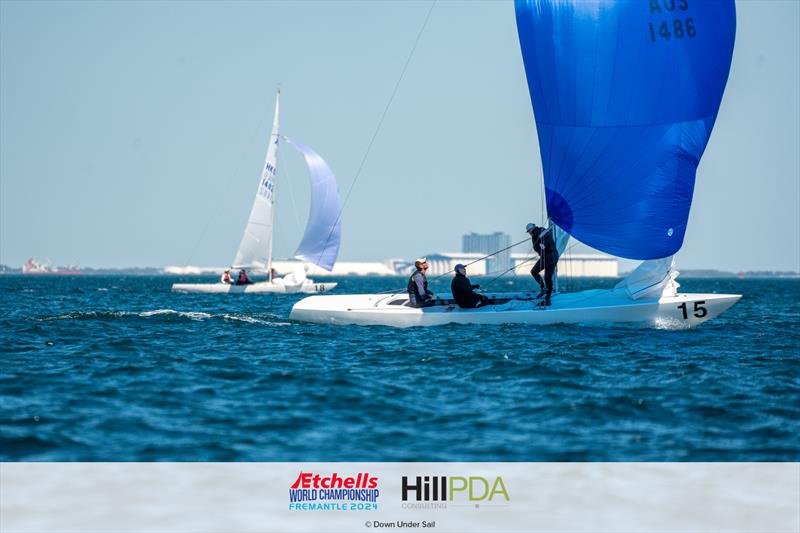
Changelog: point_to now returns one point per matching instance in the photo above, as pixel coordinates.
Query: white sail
(560, 237)
(320, 244)
(255, 249)
(654, 278)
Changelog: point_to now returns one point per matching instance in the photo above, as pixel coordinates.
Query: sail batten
(625, 95)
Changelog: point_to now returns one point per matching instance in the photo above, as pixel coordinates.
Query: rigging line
(196, 244)
(236, 172)
(542, 197)
(468, 264)
(482, 258)
(378, 128)
(569, 272)
(528, 260)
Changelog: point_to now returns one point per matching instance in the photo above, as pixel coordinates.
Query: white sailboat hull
(265, 287)
(593, 306)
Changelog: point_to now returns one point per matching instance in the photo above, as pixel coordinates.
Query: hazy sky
(132, 133)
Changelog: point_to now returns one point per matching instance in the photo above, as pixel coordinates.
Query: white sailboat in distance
(320, 243)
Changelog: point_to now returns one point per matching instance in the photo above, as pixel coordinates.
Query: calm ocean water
(120, 369)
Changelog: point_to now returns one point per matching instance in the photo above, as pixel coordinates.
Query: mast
(273, 139)
(255, 248)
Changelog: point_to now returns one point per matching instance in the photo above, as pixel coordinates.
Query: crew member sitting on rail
(463, 291)
(418, 293)
(243, 279)
(226, 276)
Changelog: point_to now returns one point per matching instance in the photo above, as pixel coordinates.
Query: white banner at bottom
(437, 497)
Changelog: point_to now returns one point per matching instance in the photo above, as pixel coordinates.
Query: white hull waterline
(264, 287)
(592, 306)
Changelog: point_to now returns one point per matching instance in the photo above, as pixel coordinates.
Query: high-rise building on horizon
(489, 243)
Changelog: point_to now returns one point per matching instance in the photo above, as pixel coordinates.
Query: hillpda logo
(435, 492)
(315, 492)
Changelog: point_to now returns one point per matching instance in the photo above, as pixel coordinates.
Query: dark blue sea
(97, 368)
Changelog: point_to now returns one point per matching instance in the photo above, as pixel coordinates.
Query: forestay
(625, 95)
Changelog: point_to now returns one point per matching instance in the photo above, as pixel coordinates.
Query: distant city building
(344, 268)
(488, 244)
(283, 267)
(590, 265)
(444, 262)
(572, 265)
(191, 270)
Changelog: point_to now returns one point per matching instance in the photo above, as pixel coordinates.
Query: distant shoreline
(154, 271)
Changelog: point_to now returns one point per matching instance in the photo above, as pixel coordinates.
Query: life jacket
(413, 290)
(543, 238)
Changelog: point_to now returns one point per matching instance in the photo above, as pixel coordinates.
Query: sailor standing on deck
(545, 246)
(418, 293)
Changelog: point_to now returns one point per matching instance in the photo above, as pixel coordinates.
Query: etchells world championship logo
(315, 492)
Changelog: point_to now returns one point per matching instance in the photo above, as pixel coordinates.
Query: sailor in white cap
(418, 293)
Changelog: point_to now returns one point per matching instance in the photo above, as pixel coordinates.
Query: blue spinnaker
(320, 244)
(625, 95)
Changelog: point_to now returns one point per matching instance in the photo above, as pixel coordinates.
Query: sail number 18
(699, 309)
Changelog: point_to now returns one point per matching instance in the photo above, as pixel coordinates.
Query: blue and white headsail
(320, 244)
(625, 95)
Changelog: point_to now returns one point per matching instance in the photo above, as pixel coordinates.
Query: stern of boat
(317, 288)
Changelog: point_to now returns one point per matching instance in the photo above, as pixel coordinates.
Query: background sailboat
(625, 95)
(320, 243)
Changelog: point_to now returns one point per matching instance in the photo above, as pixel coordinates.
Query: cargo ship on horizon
(32, 266)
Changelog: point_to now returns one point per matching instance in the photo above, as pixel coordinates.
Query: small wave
(194, 315)
(85, 315)
(670, 324)
(254, 320)
(106, 315)
(167, 314)
(102, 289)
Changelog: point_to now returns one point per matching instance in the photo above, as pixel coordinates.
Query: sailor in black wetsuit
(463, 292)
(545, 246)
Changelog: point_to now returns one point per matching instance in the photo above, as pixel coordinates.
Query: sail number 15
(699, 309)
